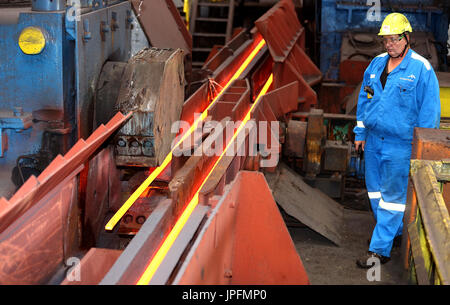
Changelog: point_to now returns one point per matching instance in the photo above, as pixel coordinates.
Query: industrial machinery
(51, 67)
(51, 59)
(162, 221)
(129, 197)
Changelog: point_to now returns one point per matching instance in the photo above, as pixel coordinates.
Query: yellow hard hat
(395, 23)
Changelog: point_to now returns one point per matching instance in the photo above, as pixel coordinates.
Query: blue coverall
(386, 120)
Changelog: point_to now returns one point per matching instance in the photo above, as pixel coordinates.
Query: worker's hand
(358, 144)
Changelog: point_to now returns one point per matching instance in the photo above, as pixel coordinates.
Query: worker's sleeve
(360, 129)
(429, 100)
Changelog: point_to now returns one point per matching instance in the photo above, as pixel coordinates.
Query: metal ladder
(204, 15)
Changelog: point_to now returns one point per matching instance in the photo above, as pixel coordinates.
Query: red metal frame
(38, 224)
(285, 38)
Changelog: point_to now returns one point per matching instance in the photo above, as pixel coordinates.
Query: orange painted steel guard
(285, 39)
(34, 226)
(244, 241)
(35, 189)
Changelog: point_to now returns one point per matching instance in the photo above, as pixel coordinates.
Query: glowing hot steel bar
(158, 170)
(168, 242)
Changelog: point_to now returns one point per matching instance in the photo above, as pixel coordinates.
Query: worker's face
(394, 44)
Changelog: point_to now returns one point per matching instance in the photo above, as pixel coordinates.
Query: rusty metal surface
(41, 218)
(315, 137)
(35, 189)
(428, 144)
(308, 205)
(101, 192)
(32, 247)
(281, 29)
(152, 86)
(336, 156)
(434, 214)
(431, 144)
(295, 139)
(252, 248)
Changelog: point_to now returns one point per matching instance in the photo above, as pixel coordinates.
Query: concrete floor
(328, 264)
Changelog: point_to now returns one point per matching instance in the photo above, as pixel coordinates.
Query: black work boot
(362, 262)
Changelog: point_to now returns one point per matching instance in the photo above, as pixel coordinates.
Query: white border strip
(374, 195)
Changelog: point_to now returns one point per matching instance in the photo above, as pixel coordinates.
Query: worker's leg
(394, 165)
(372, 153)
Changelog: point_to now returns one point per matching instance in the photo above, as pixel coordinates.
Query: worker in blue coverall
(400, 91)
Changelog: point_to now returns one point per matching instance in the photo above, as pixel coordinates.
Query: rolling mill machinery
(52, 56)
(58, 63)
(124, 178)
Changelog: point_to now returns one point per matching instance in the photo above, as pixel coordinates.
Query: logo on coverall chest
(409, 78)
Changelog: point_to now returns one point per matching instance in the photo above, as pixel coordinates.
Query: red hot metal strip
(160, 255)
(189, 177)
(242, 50)
(237, 71)
(182, 186)
(131, 264)
(227, 168)
(238, 246)
(223, 169)
(35, 189)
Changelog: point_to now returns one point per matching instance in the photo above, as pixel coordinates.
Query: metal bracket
(12, 119)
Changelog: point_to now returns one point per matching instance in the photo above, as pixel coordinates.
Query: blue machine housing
(55, 88)
(35, 81)
(339, 17)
